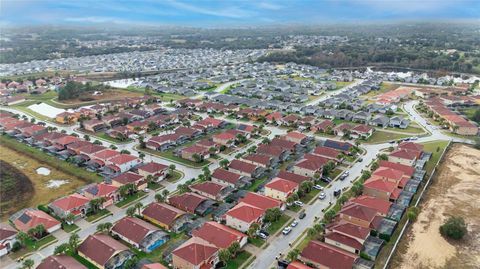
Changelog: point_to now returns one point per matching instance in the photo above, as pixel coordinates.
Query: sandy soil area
(454, 191)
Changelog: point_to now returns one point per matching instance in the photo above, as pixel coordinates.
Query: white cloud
(229, 12)
(269, 5)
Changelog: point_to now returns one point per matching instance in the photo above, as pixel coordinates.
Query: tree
(141, 155)
(112, 146)
(357, 188)
(97, 142)
(328, 168)
(130, 263)
(28, 264)
(253, 229)
(23, 237)
(293, 254)
(329, 215)
(224, 255)
(306, 186)
(224, 163)
(454, 228)
(374, 166)
(160, 198)
(171, 168)
(61, 249)
(104, 227)
(290, 200)
(124, 151)
(272, 214)
(234, 248)
(73, 242)
(383, 157)
(412, 213)
(131, 211)
(139, 206)
(182, 188)
(311, 232)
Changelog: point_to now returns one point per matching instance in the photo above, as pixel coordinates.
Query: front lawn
(436, 148)
(174, 176)
(309, 196)
(256, 183)
(256, 241)
(83, 261)
(169, 156)
(382, 137)
(34, 245)
(239, 260)
(154, 186)
(277, 225)
(70, 227)
(100, 214)
(335, 173)
(130, 199)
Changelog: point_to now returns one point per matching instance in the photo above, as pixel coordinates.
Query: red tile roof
(61, 261)
(153, 167)
(404, 154)
(101, 189)
(327, 152)
(408, 170)
(298, 265)
(343, 239)
(122, 159)
(225, 175)
(134, 229)
(106, 154)
(162, 213)
(187, 201)
(328, 256)
(127, 178)
(245, 212)
(100, 248)
(260, 201)
(6, 231)
(270, 150)
(154, 266)
(258, 158)
(389, 173)
(282, 185)
(208, 187)
(218, 234)
(351, 230)
(242, 166)
(379, 184)
(195, 252)
(362, 129)
(283, 143)
(70, 202)
(359, 212)
(224, 136)
(292, 177)
(31, 218)
(378, 204)
(411, 146)
(295, 135)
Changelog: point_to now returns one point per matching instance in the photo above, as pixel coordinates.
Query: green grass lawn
(277, 225)
(33, 245)
(436, 148)
(256, 241)
(341, 84)
(410, 129)
(174, 176)
(382, 137)
(130, 199)
(239, 260)
(70, 227)
(384, 87)
(255, 184)
(154, 186)
(169, 156)
(83, 261)
(165, 97)
(99, 215)
(56, 163)
(104, 136)
(335, 173)
(24, 108)
(309, 196)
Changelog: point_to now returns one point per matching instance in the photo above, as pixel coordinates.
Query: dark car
(283, 263)
(302, 215)
(337, 193)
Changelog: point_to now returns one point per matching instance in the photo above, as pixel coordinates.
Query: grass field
(258, 242)
(27, 160)
(436, 148)
(99, 215)
(382, 137)
(165, 97)
(175, 176)
(275, 226)
(239, 260)
(410, 129)
(169, 156)
(130, 199)
(33, 245)
(384, 87)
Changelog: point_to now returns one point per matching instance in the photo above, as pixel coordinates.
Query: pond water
(56, 183)
(43, 171)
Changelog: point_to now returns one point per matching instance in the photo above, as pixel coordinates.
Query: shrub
(412, 213)
(454, 228)
(385, 237)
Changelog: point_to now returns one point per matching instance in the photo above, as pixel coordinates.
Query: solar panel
(24, 218)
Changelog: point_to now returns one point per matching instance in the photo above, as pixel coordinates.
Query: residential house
(94, 125)
(343, 129)
(211, 190)
(380, 121)
(139, 233)
(329, 153)
(243, 215)
(361, 131)
(322, 127)
(227, 139)
(296, 137)
(228, 178)
(347, 236)
(280, 189)
(101, 190)
(219, 235)
(153, 169)
(166, 216)
(326, 256)
(8, 237)
(276, 152)
(292, 177)
(123, 162)
(195, 253)
(399, 122)
(104, 252)
(75, 204)
(130, 178)
(362, 117)
(191, 152)
(265, 161)
(192, 203)
(60, 261)
(245, 169)
(310, 165)
(360, 215)
(29, 218)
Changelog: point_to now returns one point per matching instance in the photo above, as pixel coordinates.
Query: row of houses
(348, 238)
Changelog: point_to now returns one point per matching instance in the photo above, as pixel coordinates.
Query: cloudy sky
(218, 13)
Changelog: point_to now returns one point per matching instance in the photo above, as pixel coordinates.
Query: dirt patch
(455, 190)
(31, 188)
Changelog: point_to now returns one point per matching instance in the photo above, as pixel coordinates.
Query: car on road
(322, 196)
(318, 187)
(298, 203)
(294, 223)
(302, 215)
(147, 190)
(287, 230)
(337, 192)
(283, 263)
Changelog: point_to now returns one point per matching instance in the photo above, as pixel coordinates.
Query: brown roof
(153, 167)
(226, 175)
(162, 213)
(187, 201)
(242, 166)
(195, 252)
(6, 231)
(292, 177)
(208, 187)
(100, 248)
(218, 234)
(270, 150)
(134, 229)
(328, 256)
(258, 158)
(283, 143)
(260, 201)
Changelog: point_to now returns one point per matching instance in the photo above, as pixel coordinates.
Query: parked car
(262, 235)
(322, 196)
(283, 263)
(298, 203)
(318, 187)
(287, 230)
(337, 192)
(294, 223)
(147, 190)
(302, 215)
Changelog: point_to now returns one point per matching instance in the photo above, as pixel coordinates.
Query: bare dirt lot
(455, 190)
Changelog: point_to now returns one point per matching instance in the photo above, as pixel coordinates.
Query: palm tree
(23, 238)
(28, 263)
(139, 206)
(73, 242)
(234, 248)
(165, 193)
(224, 255)
(61, 249)
(293, 254)
(131, 211)
(224, 163)
(160, 198)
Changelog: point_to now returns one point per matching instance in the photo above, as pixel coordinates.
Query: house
(289, 120)
(192, 203)
(243, 215)
(399, 122)
(101, 190)
(139, 233)
(228, 178)
(60, 261)
(261, 201)
(211, 190)
(380, 121)
(67, 117)
(329, 153)
(408, 170)
(164, 142)
(130, 178)
(94, 125)
(265, 161)
(323, 126)
(8, 237)
(325, 256)
(195, 254)
(29, 218)
(404, 156)
(297, 265)
(361, 131)
(360, 215)
(166, 216)
(188, 132)
(192, 152)
(296, 137)
(347, 236)
(123, 162)
(362, 117)
(104, 252)
(244, 169)
(341, 146)
(288, 145)
(292, 177)
(310, 166)
(210, 123)
(380, 205)
(219, 235)
(280, 189)
(277, 152)
(273, 117)
(153, 169)
(153, 266)
(75, 204)
(227, 139)
(101, 157)
(342, 129)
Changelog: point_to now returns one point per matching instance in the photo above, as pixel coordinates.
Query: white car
(322, 196)
(287, 230)
(318, 187)
(147, 190)
(298, 203)
(294, 223)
